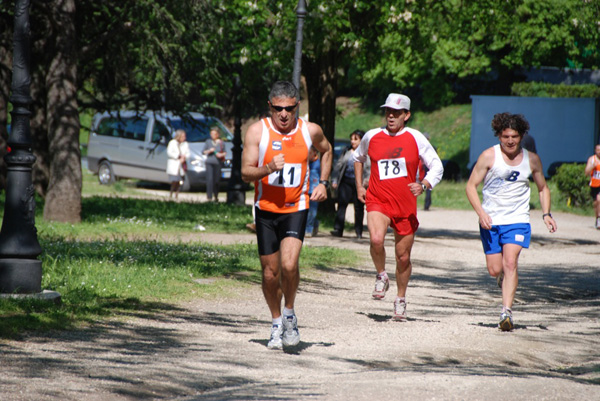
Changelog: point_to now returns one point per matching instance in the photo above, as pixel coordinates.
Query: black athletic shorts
(272, 228)
(594, 191)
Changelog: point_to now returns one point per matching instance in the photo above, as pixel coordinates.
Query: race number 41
(287, 177)
(392, 168)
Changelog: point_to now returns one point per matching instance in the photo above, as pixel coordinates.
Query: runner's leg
(403, 247)
(271, 278)
(378, 223)
(510, 259)
(494, 264)
(290, 272)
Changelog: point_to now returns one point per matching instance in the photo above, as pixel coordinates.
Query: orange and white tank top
(595, 181)
(284, 191)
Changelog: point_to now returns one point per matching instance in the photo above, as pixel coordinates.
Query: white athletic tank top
(506, 191)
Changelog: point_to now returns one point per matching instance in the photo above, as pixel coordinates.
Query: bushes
(573, 184)
(543, 89)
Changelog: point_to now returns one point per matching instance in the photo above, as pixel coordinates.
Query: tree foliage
(573, 184)
(184, 55)
(436, 46)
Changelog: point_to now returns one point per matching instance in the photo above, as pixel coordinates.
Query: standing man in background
(275, 158)
(592, 168)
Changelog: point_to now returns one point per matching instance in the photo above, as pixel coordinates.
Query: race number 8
(287, 177)
(392, 168)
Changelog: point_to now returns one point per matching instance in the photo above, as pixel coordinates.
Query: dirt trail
(449, 349)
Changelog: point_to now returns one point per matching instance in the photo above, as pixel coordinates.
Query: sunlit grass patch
(116, 278)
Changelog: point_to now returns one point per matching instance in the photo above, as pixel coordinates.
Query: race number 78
(392, 168)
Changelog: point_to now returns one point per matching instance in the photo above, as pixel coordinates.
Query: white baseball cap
(397, 101)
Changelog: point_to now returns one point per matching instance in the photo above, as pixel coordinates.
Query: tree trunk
(63, 200)
(321, 85)
(39, 131)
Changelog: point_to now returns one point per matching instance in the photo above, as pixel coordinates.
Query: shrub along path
(214, 348)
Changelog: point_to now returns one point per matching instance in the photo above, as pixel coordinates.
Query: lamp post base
(236, 197)
(23, 276)
(236, 193)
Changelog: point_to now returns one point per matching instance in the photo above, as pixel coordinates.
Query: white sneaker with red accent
(381, 286)
(399, 310)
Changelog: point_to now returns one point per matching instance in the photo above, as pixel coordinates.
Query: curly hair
(502, 121)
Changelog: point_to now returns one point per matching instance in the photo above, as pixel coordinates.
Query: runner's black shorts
(272, 228)
(594, 191)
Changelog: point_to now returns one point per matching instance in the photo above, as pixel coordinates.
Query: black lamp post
(236, 188)
(300, 14)
(20, 270)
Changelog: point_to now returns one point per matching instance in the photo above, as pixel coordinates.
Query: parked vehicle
(133, 144)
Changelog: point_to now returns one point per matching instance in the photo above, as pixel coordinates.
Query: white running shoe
(276, 333)
(399, 310)
(291, 335)
(381, 286)
(506, 321)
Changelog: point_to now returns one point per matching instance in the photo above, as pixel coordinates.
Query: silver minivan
(133, 144)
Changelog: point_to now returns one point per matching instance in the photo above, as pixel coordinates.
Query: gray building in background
(565, 129)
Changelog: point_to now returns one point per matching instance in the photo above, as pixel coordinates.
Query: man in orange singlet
(275, 158)
(592, 169)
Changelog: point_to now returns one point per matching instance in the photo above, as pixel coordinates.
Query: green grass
(127, 258)
(118, 278)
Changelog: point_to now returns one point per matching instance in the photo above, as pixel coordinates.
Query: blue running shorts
(494, 239)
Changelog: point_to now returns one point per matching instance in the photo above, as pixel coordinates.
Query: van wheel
(105, 173)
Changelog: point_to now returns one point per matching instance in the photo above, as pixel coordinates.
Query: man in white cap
(391, 198)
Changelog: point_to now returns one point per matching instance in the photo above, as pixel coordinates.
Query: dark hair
(358, 132)
(284, 89)
(502, 121)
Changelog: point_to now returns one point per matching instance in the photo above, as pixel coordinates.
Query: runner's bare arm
(361, 191)
(250, 170)
(590, 165)
(484, 163)
(322, 144)
(537, 173)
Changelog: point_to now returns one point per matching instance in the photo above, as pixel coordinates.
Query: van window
(127, 128)
(159, 131)
(199, 130)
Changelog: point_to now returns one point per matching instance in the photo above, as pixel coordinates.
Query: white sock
(383, 275)
(277, 321)
(288, 312)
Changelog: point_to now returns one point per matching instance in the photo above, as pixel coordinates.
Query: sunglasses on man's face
(286, 108)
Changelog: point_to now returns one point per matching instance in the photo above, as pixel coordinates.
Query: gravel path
(450, 348)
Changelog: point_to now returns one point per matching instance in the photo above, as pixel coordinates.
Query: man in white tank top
(504, 213)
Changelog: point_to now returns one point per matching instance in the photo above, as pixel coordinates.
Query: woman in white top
(177, 151)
